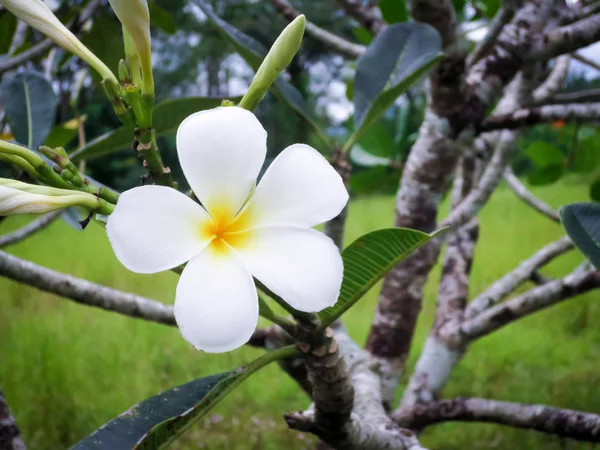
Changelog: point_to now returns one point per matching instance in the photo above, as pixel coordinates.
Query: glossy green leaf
(60, 136)
(253, 53)
(582, 222)
(587, 154)
(162, 18)
(159, 420)
(544, 154)
(398, 57)
(8, 26)
(367, 260)
(126, 430)
(545, 175)
(393, 11)
(30, 106)
(595, 190)
(168, 114)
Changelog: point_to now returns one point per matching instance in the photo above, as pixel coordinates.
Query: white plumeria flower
(239, 233)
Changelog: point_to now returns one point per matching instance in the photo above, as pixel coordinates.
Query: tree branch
(531, 301)
(501, 288)
(589, 95)
(523, 193)
(83, 291)
(32, 227)
(551, 85)
(561, 422)
(486, 185)
(588, 62)
(585, 112)
(369, 426)
(366, 16)
(10, 437)
(439, 14)
(566, 39)
(502, 17)
(332, 41)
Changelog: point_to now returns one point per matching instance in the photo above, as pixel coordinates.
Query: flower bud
(135, 17)
(14, 201)
(37, 15)
(279, 57)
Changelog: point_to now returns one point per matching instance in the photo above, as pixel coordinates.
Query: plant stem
(147, 148)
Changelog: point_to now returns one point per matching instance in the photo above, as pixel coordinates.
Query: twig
(332, 41)
(551, 85)
(589, 95)
(531, 301)
(32, 227)
(580, 112)
(10, 437)
(366, 16)
(501, 18)
(524, 194)
(588, 62)
(513, 279)
(567, 423)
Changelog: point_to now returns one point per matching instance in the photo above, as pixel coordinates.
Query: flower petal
(221, 152)
(155, 228)
(301, 265)
(299, 188)
(216, 307)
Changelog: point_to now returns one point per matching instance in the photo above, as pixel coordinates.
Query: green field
(66, 369)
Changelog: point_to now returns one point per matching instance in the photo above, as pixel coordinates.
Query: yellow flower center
(225, 229)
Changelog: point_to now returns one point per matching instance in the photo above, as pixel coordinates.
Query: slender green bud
(124, 72)
(113, 91)
(135, 17)
(279, 57)
(54, 156)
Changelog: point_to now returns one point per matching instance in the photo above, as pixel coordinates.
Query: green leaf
(582, 222)
(378, 179)
(595, 190)
(361, 157)
(367, 260)
(253, 53)
(544, 154)
(126, 430)
(60, 136)
(393, 11)
(162, 18)
(362, 35)
(168, 114)
(30, 106)
(8, 26)
(397, 58)
(159, 420)
(587, 154)
(545, 175)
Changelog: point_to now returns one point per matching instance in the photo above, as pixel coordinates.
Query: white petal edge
(155, 228)
(221, 152)
(299, 188)
(301, 265)
(216, 306)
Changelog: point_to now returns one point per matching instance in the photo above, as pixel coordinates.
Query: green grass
(66, 369)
